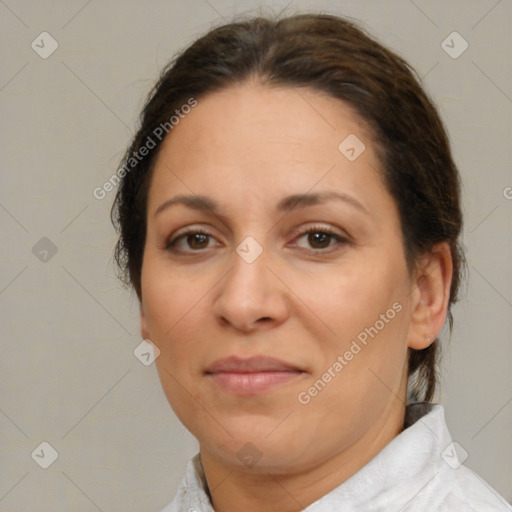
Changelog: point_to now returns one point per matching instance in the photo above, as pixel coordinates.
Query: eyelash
(171, 243)
(340, 240)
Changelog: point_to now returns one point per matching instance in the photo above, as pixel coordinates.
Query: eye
(320, 238)
(192, 240)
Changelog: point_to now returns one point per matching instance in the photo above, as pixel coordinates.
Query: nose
(251, 296)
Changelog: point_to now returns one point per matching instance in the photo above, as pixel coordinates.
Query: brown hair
(331, 55)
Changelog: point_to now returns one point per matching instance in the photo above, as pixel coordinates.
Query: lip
(250, 376)
(251, 364)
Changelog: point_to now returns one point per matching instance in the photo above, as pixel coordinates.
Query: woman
(289, 218)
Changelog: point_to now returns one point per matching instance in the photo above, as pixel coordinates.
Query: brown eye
(190, 241)
(319, 239)
(197, 240)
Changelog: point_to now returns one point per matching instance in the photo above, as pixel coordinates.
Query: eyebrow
(303, 200)
(286, 204)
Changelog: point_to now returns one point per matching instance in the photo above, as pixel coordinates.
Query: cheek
(366, 308)
(362, 368)
(168, 299)
(174, 311)
(353, 296)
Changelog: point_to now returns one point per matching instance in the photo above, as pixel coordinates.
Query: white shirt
(417, 471)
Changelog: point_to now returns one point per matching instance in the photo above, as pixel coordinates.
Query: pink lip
(253, 375)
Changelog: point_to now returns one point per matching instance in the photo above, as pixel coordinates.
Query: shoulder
(463, 490)
(192, 494)
(449, 484)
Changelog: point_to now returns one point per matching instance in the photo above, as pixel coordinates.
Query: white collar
(418, 470)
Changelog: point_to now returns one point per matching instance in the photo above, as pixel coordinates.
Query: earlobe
(432, 294)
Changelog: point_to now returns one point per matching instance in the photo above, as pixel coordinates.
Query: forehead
(255, 140)
(243, 117)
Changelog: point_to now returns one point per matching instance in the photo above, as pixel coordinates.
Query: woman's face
(253, 169)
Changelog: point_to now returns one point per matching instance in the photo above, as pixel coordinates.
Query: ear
(144, 329)
(430, 296)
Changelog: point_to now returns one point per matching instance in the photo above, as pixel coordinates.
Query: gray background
(68, 375)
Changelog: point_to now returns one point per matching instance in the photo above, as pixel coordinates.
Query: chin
(257, 449)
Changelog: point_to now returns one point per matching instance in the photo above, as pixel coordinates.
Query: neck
(233, 489)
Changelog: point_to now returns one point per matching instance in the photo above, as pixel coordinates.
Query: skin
(247, 147)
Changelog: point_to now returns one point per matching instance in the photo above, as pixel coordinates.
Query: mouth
(253, 375)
